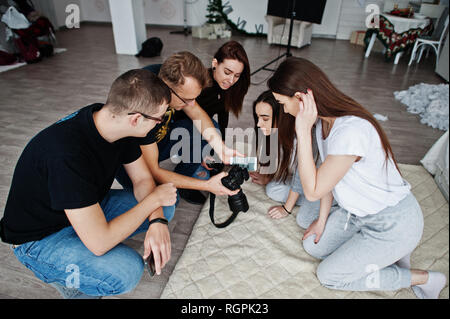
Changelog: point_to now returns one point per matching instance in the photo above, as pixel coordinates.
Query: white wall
(330, 20)
(341, 17)
(162, 12)
(353, 17)
(95, 10)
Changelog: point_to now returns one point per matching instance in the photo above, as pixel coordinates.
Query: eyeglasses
(185, 101)
(156, 119)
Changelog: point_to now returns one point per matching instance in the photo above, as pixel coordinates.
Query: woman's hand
(316, 228)
(307, 115)
(277, 212)
(258, 178)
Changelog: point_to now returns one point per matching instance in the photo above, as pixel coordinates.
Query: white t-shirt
(367, 188)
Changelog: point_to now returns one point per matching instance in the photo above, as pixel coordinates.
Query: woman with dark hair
(230, 76)
(266, 112)
(366, 242)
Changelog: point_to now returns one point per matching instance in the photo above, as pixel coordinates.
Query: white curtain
(47, 8)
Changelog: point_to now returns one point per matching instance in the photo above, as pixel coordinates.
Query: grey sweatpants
(359, 253)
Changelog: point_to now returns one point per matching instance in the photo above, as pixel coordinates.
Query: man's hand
(157, 240)
(166, 194)
(227, 153)
(216, 187)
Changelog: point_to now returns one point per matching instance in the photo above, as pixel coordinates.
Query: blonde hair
(184, 64)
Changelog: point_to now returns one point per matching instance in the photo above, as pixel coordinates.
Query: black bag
(46, 49)
(150, 48)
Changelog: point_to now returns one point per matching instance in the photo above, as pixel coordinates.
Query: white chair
(432, 11)
(435, 41)
(278, 31)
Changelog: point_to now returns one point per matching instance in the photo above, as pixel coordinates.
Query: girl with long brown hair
(230, 77)
(365, 242)
(266, 113)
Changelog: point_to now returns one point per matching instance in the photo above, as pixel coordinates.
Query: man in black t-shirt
(186, 77)
(62, 218)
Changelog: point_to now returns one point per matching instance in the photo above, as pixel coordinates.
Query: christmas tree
(214, 11)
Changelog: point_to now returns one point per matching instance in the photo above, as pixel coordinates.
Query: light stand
(288, 53)
(185, 30)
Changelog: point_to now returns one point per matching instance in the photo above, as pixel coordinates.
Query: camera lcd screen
(250, 163)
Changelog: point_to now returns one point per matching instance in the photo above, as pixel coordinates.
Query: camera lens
(238, 203)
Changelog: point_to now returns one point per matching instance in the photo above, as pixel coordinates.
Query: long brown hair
(297, 75)
(234, 96)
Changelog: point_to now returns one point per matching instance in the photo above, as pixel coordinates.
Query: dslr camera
(237, 175)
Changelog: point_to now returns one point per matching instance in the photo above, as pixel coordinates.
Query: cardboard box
(357, 37)
(211, 31)
(202, 32)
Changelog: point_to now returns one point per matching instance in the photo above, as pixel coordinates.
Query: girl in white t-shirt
(365, 243)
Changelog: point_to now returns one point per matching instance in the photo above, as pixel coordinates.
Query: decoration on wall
(168, 10)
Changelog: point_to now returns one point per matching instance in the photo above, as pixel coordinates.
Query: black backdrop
(305, 10)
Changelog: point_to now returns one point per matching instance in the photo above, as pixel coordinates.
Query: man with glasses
(62, 218)
(186, 76)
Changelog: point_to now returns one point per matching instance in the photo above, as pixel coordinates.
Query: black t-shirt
(160, 131)
(66, 166)
(211, 100)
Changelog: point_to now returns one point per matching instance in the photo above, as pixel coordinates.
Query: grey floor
(35, 96)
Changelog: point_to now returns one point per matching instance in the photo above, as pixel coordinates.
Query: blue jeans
(63, 258)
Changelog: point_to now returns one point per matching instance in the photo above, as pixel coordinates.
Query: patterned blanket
(395, 42)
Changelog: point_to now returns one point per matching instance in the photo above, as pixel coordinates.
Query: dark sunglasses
(157, 119)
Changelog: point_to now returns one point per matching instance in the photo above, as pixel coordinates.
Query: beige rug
(257, 257)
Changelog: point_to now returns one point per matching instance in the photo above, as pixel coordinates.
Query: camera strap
(212, 199)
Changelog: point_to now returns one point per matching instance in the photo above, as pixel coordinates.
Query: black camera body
(237, 175)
